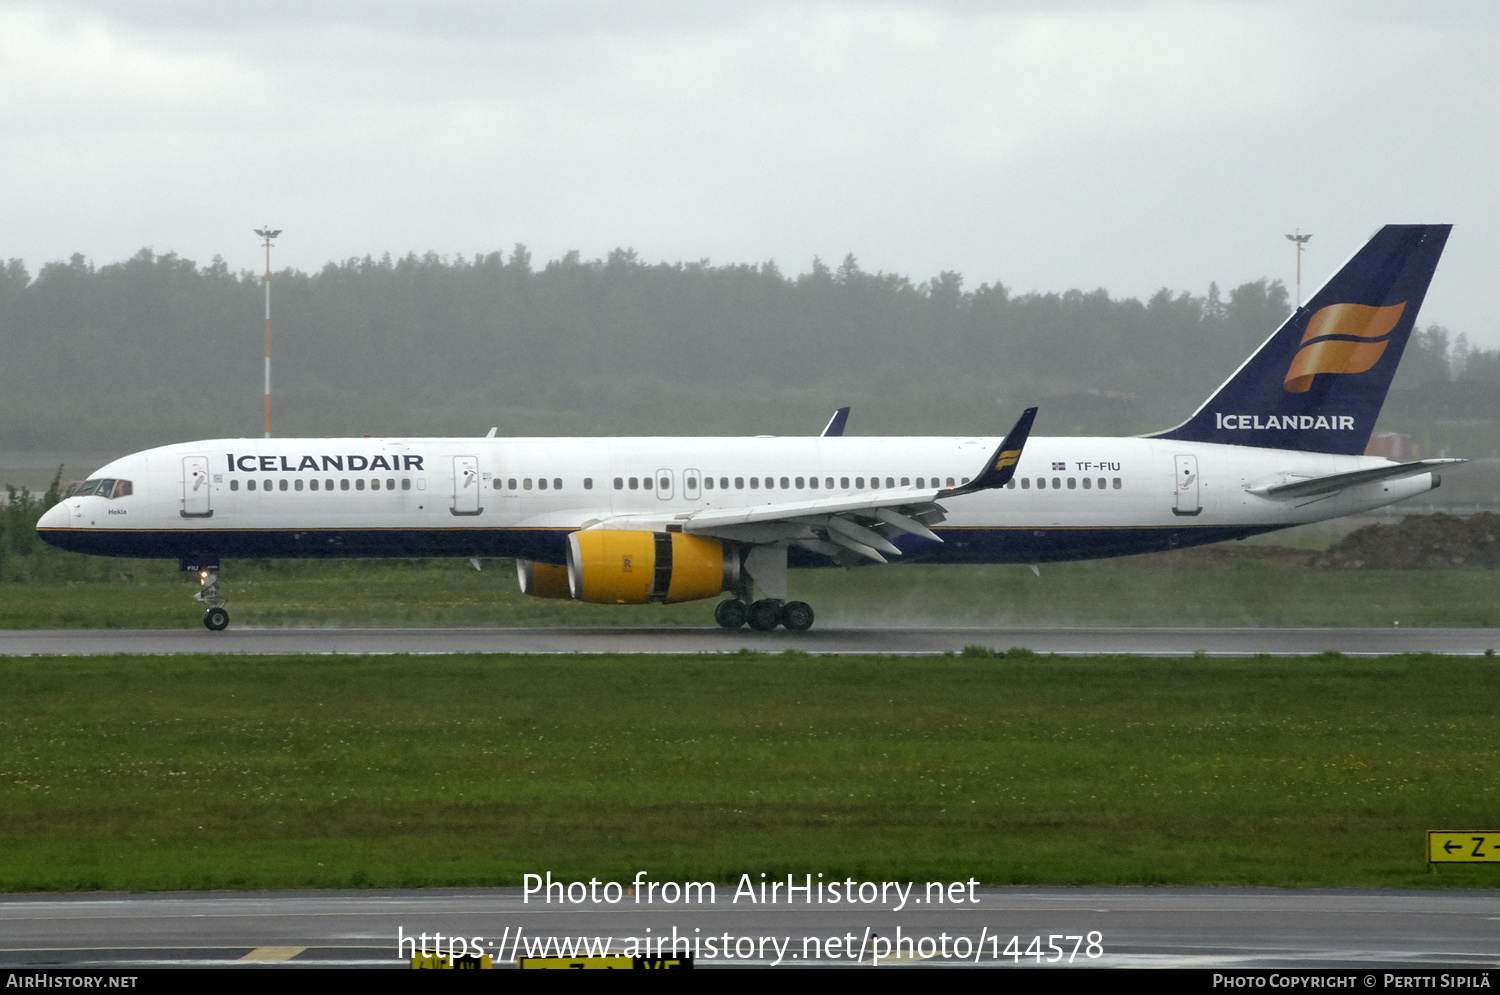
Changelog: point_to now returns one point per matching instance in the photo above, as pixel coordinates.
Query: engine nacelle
(543, 580)
(609, 567)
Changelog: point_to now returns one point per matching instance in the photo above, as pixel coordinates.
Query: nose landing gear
(216, 619)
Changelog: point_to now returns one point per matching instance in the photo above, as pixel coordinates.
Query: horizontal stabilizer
(1338, 481)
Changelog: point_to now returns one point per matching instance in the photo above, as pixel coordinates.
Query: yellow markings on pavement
(273, 953)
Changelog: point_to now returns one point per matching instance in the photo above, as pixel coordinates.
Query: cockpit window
(104, 487)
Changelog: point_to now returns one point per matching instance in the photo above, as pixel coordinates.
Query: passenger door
(1186, 498)
(195, 488)
(466, 486)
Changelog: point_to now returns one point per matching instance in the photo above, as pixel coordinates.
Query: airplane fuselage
(1071, 498)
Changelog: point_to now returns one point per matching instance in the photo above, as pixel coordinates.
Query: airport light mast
(1301, 240)
(268, 234)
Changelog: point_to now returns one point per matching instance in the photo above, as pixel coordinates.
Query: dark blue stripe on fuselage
(976, 545)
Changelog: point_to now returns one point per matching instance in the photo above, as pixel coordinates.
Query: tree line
(157, 349)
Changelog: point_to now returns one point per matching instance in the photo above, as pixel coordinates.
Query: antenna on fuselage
(268, 234)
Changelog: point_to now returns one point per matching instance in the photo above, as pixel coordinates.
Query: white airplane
(640, 520)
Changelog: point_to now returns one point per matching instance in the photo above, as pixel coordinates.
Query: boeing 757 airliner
(640, 520)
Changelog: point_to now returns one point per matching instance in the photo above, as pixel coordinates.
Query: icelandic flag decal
(1059, 466)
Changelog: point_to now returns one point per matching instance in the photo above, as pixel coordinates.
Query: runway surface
(1084, 927)
(915, 641)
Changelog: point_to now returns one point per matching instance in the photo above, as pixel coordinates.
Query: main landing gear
(764, 615)
(216, 619)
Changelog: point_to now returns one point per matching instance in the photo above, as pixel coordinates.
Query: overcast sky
(1124, 145)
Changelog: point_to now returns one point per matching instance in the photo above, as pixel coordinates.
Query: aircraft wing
(1313, 486)
(860, 524)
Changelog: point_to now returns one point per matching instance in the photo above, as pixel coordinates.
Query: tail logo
(1007, 458)
(1341, 338)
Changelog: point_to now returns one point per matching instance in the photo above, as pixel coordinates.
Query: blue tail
(1318, 383)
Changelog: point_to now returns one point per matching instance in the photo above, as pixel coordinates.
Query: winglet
(1002, 465)
(836, 424)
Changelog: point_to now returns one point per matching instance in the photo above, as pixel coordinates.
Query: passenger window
(510, 484)
(905, 481)
(499, 483)
(785, 483)
(723, 483)
(619, 483)
(250, 485)
(390, 483)
(266, 486)
(541, 483)
(800, 482)
(526, 484)
(950, 481)
(298, 484)
(844, 483)
(328, 485)
(557, 483)
(770, 483)
(691, 483)
(1011, 483)
(666, 483)
(588, 483)
(1087, 483)
(1117, 483)
(359, 484)
(812, 482)
(313, 484)
(890, 482)
(406, 483)
(1025, 483)
(1056, 483)
(859, 483)
(344, 484)
(919, 482)
(739, 483)
(708, 483)
(646, 482)
(635, 483)
(755, 483)
(1072, 483)
(375, 484)
(234, 485)
(1101, 483)
(828, 482)
(1041, 483)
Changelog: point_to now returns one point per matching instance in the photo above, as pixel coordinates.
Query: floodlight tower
(267, 234)
(1301, 240)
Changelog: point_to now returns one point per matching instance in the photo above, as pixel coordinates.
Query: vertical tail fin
(1319, 382)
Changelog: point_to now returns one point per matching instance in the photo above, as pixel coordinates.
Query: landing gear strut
(216, 619)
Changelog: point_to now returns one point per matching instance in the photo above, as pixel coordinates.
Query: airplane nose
(57, 517)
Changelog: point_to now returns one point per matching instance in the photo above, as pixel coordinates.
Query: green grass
(253, 772)
(1120, 592)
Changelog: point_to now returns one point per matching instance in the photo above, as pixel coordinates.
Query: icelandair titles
(353, 463)
(1335, 423)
